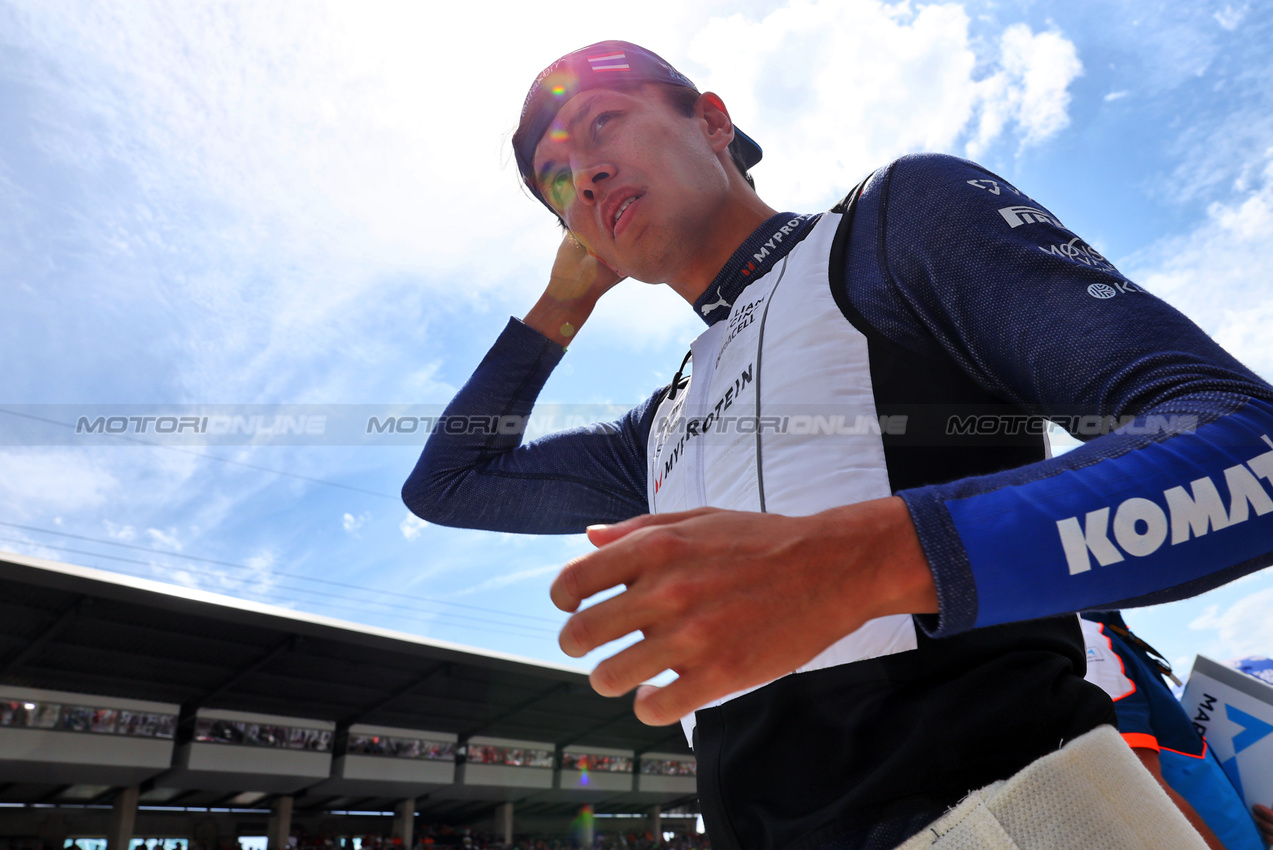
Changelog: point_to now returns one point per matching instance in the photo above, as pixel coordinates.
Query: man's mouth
(616, 226)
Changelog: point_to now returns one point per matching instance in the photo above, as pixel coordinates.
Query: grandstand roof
(71, 628)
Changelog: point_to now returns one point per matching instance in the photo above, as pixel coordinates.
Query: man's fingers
(608, 620)
(602, 535)
(589, 574)
(623, 671)
(660, 706)
(609, 567)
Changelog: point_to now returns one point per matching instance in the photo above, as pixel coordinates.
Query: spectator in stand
(1159, 732)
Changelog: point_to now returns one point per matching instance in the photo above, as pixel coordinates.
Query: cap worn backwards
(606, 64)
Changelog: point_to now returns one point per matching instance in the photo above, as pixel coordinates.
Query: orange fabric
(1201, 755)
(1139, 740)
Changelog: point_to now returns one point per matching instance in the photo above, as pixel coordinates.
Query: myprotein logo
(773, 241)
(1017, 216)
(694, 427)
(1140, 526)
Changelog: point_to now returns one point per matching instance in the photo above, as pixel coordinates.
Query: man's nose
(587, 180)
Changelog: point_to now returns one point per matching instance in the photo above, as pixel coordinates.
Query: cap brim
(750, 150)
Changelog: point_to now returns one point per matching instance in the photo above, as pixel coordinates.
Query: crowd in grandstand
(431, 837)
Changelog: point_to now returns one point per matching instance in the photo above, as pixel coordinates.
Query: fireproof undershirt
(950, 261)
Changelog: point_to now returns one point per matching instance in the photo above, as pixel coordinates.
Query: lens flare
(560, 83)
(584, 826)
(558, 134)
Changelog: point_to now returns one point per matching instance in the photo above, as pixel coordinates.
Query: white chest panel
(779, 416)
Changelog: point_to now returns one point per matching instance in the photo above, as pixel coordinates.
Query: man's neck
(756, 256)
(738, 220)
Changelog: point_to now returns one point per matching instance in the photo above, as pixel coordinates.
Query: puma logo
(707, 308)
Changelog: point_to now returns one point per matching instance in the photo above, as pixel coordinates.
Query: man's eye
(601, 120)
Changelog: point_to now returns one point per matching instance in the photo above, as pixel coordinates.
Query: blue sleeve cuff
(1129, 519)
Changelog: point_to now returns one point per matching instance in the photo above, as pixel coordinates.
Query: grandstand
(130, 707)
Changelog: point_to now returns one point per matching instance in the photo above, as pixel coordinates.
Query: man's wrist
(881, 547)
(558, 320)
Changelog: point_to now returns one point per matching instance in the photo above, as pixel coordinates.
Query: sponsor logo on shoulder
(1078, 251)
(994, 187)
(1101, 290)
(1141, 526)
(1017, 216)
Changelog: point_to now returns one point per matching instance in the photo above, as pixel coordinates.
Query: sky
(220, 209)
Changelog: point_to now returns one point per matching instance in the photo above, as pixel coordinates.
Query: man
(1162, 736)
(825, 472)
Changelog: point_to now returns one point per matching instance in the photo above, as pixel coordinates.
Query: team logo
(1101, 290)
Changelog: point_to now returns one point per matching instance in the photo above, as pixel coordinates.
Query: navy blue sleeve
(474, 471)
(1171, 499)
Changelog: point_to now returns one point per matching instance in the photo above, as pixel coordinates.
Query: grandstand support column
(504, 822)
(119, 834)
(279, 827)
(404, 821)
(655, 822)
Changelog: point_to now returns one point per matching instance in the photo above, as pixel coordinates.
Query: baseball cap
(606, 64)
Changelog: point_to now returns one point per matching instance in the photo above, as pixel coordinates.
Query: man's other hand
(1264, 822)
(731, 599)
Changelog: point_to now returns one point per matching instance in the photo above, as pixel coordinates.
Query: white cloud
(257, 580)
(1116, 95)
(1218, 273)
(296, 167)
(126, 533)
(167, 539)
(352, 523)
(1231, 18)
(1243, 628)
(411, 526)
(53, 479)
(1031, 89)
(512, 578)
(832, 89)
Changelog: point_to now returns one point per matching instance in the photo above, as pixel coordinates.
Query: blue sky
(263, 204)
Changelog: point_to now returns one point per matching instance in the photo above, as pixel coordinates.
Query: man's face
(634, 180)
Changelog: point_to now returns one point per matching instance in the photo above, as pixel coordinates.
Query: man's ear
(720, 128)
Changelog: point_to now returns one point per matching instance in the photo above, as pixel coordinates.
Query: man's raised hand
(577, 281)
(731, 599)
